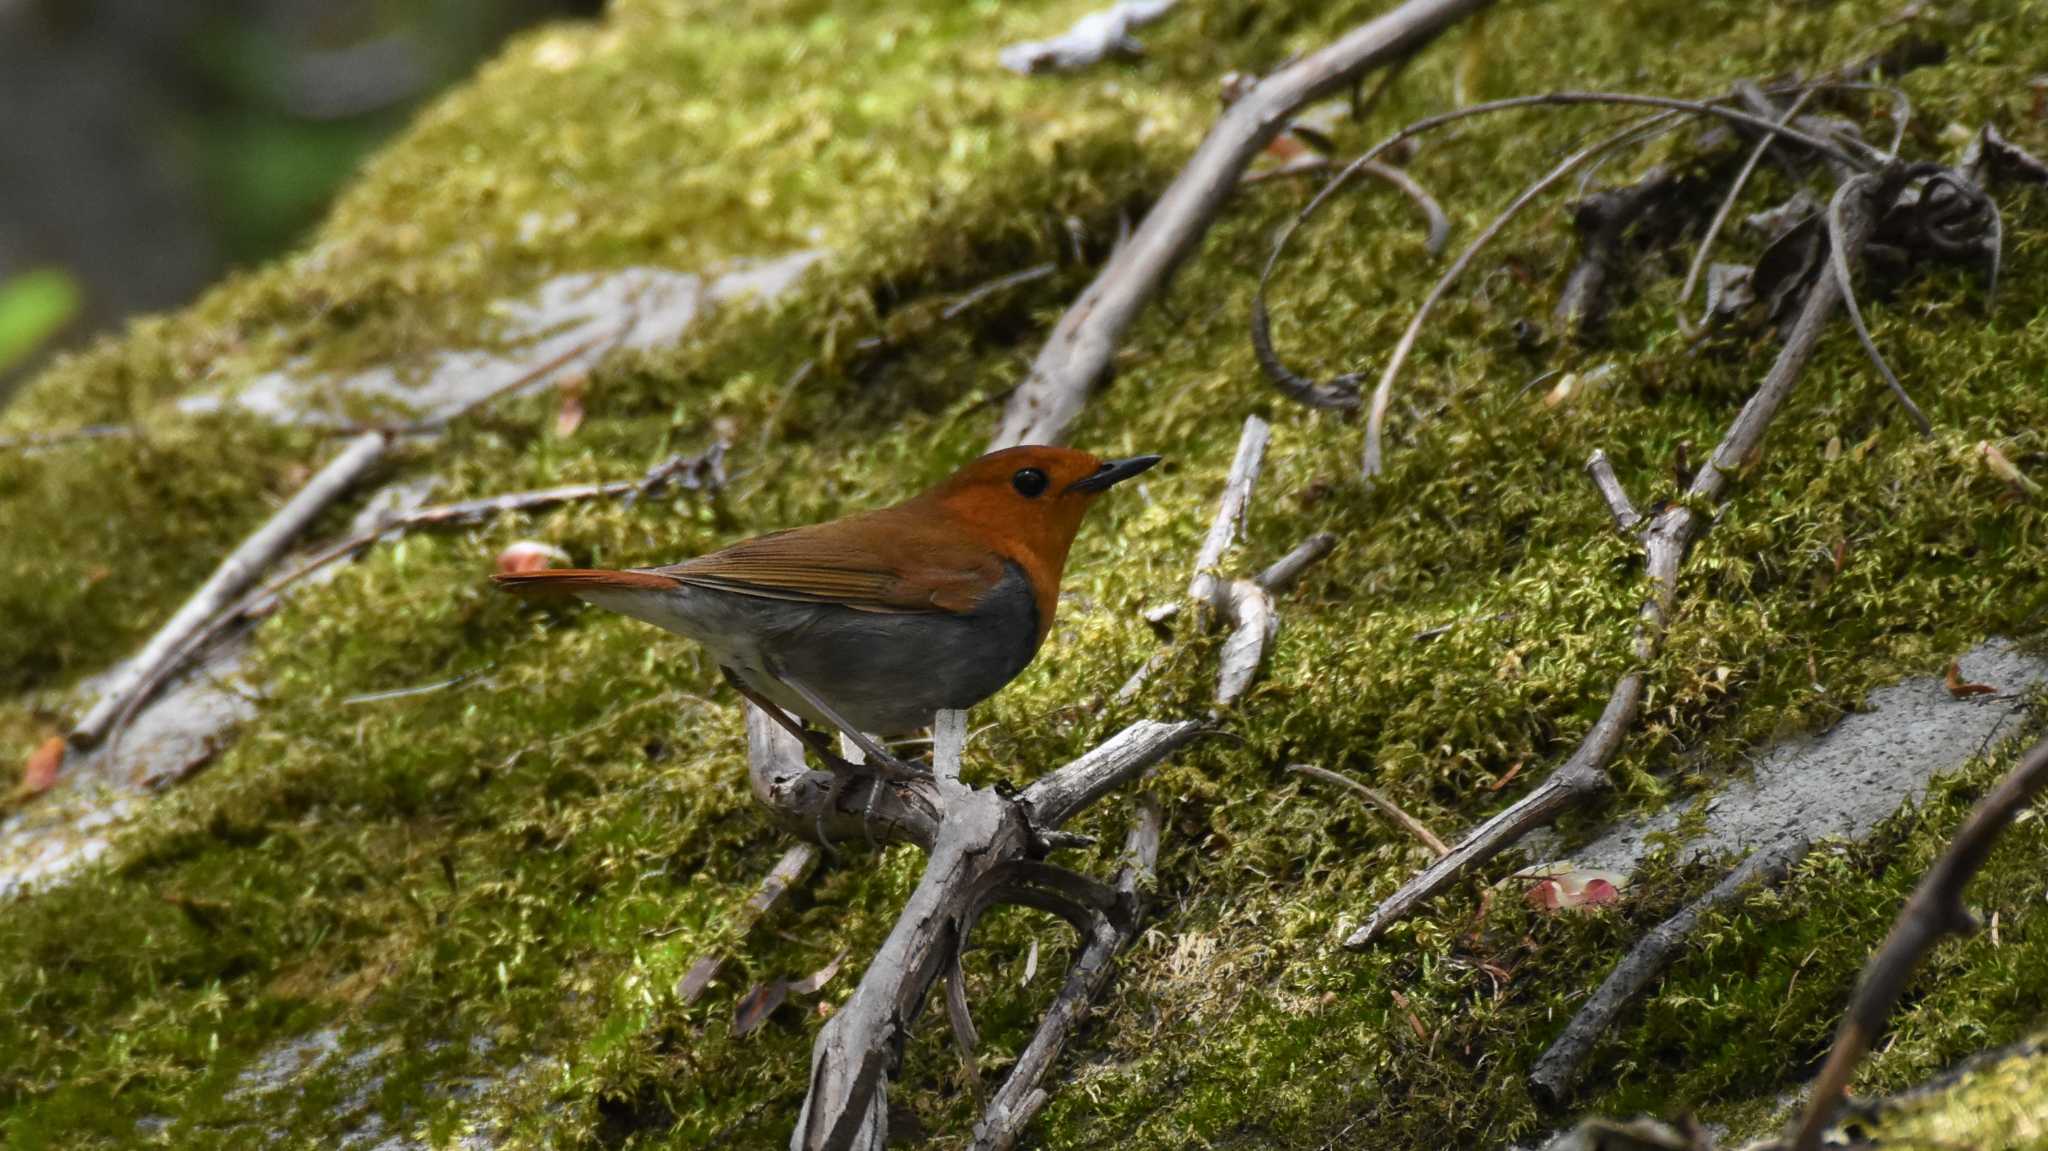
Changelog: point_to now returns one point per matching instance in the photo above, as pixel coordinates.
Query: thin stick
(1282, 573)
(1342, 391)
(127, 687)
(1665, 541)
(1598, 466)
(1838, 264)
(1387, 807)
(705, 469)
(36, 441)
(1706, 246)
(1376, 413)
(1559, 1066)
(1078, 353)
(788, 872)
(1935, 910)
(1206, 586)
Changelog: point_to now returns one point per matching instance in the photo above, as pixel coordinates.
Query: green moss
(507, 876)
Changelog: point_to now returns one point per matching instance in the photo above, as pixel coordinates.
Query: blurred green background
(147, 147)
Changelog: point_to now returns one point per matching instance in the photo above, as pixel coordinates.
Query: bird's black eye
(1029, 482)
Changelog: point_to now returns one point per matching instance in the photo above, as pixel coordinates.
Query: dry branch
(1013, 1105)
(1078, 353)
(703, 470)
(1665, 542)
(788, 871)
(1934, 911)
(1559, 1067)
(131, 685)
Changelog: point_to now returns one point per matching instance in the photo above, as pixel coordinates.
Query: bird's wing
(881, 562)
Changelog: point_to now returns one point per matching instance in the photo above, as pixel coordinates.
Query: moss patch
(503, 879)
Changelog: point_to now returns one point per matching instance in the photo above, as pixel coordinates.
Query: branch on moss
(1077, 354)
(1665, 541)
(704, 470)
(140, 676)
(1934, 911)
(1559, 1066)
(1022, 1094)
(790, 870)
(1096, 37)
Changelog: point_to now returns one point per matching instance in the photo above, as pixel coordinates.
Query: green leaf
(34, 306)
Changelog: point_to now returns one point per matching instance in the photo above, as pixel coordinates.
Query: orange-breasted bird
(874, 622)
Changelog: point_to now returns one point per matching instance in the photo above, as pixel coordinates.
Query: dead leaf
(1561, 391)
(39, 774)
(1962, 689)
(529, 556)
(569, 416)
(815, 982)
(1030, 965)
(754, 1008)
(1562, 887)
(1507, 777)
(1414, 1024)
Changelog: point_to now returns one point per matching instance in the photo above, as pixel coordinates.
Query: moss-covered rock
(467, 909)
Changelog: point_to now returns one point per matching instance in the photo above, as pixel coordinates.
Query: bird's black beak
(1112, 472)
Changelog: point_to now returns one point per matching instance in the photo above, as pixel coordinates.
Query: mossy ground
(513, 873)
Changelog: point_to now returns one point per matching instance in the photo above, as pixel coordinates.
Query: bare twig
(1665, 540)
(1838, 264)
(1706, 246)
(129, 686)
(788, 871)
(976, 295)
(1283, 572)
(1206, 586)
(1020, 1096)
(1078, 353)
(1383, 391)
(1058, 797)
(1093, 38)
(1387, 807)
(1342, 392)
(1559, 1066)
(703, 470)
(1626, 517)
(37, 441)
(1935, 910)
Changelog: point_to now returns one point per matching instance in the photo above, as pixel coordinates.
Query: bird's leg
(812, 740)
(879, 760)
(816, 743)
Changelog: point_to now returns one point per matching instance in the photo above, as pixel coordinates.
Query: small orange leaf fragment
(1962, 689)
(39, 774)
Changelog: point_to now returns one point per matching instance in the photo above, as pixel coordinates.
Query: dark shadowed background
(148, 146)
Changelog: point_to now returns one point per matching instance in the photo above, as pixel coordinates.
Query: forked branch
(1665, 541)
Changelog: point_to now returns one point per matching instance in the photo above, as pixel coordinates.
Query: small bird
(872, 623)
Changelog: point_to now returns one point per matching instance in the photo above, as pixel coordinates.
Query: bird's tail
(570, 581)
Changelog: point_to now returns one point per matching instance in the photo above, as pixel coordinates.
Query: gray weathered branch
(1017, 1101)
(1665, 541)
(1559, 1067)
(127, 687)
(1078, 353)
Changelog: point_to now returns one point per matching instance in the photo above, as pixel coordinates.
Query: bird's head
(1029, 501)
